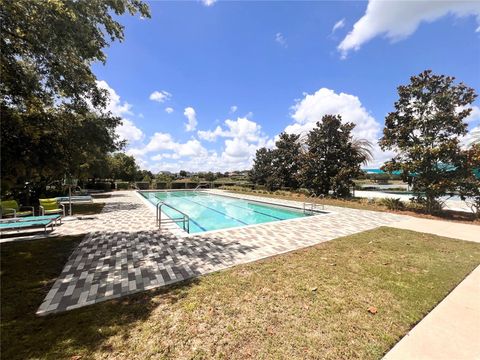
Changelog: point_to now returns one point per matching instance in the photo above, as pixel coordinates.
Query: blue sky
(202, 87)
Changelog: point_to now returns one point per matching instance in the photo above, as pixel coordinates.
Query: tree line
(425, 131)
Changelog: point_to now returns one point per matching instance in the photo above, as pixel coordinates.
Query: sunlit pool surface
(213, 212)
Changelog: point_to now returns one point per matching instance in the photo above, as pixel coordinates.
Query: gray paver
(124, 253)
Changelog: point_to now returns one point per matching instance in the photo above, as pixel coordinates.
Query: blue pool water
(213, 212)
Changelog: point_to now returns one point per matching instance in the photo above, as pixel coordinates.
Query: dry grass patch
(310, 303)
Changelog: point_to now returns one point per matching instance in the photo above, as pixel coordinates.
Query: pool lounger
(79, 199)
(29, 222)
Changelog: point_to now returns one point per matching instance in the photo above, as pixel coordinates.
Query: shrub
(143, 185)
(159, 185)
(393, 204)
(121, 185)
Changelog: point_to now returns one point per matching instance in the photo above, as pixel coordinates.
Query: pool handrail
(185, 218)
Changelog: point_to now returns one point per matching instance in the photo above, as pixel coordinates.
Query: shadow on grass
(29, 269)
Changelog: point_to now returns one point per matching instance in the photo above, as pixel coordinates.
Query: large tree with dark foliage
(286, 160)
(424, 131)
(262, 170)
(53, 114)
(332, 159)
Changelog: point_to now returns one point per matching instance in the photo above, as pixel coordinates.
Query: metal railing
(312, 206)
(199, 186)
(184, 219)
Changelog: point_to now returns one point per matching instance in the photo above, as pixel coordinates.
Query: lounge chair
(51, 206)
(29, 222)
(76, 199)
(11, 208)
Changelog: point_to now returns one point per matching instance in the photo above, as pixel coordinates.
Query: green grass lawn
(310, 303)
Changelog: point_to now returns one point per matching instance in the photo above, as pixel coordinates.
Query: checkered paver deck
(124, 252)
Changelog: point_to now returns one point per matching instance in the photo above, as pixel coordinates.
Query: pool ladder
(184, 219)
(312, 207)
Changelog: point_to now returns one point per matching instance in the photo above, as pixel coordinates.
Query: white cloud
(242, 139)
(474, 116)
(338, 25)
(310, 109)
(128, 131)
(191, 116)
(114, 104)
(160, 96)
(397, 20)
(473, 137)
(241, 128)
(211, 135)
(279, 38)
(233, 109)
(169, 110)
(208, 2)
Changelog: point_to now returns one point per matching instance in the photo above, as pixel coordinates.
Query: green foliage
(122, 185)
(331, 161)
(469, 187)
(286, 160)
(262, 171)
(54, 121)
(49, 46)
(392, 204)
(424, 131)
(123, 167)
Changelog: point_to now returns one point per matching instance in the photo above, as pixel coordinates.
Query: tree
(210, 176)
(424, 131)
(262, 170)
(48, 47)
(286, 160)
(331, 161)
(54, 121)
(182, 173)
(123, 167)
(469, 187)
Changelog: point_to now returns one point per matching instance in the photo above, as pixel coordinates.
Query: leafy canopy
(54, 120)
(48, 48)
(424, 131)
(332, 159)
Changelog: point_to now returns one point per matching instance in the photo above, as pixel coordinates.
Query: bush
(159, 185)
(142, 185)
(122, 185)
(104, 186)
(393, 204)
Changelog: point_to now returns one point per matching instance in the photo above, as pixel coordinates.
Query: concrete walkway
(449, 229)
(450, 331)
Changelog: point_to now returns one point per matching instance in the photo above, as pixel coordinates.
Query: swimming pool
(214, 212)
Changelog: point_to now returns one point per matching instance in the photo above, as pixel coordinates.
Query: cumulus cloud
(208, 2)
(240, 128)
(191, 116)
(129, 131)
(307, 111)
(280, 39)
(474, 116)
(338, 25)
(169, 110)
(397, 20)
(114, 104)
(160, 96)
(233, 109)
(242, 137)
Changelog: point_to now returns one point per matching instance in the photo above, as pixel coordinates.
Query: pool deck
(123, 251)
